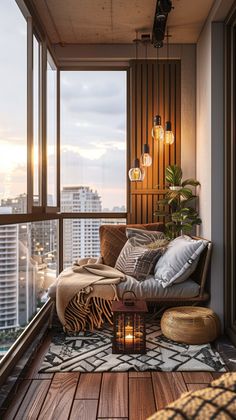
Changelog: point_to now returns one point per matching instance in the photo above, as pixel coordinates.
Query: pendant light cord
(169, 73)
(157, 84)
(146, 95)
(136, 84)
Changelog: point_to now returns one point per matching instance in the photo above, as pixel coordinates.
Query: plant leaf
(173, 174)
(190, 181)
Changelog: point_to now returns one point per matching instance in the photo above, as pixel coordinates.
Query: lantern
(129, 325)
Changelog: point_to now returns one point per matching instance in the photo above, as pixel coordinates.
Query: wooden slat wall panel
(151, 81)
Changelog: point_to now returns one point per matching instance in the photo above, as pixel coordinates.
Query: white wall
(203, 129)
(210, 144)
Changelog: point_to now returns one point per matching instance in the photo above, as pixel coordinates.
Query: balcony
(74, 116)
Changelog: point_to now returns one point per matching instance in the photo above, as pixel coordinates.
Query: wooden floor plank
(17, 398)
(139, 375)
(32, 372)
(141, 398)
(167, 387)
(59, 399)
(89, 386)
(84, 410)
(197, 377)
(114, 395)
(33, 399)
(195, 387)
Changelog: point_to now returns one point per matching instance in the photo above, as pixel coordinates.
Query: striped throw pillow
(142, 236)
(138, 261)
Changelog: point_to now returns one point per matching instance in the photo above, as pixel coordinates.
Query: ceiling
(116, 21)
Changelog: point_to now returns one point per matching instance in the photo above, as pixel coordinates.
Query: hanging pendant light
(169, 135)
(146, 159)
(136, 173)
(157, 129)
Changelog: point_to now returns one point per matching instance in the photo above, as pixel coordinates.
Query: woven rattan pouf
(190, 325)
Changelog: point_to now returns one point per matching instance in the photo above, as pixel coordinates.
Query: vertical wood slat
(148, 76)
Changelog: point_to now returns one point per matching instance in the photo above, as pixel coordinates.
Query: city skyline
(21, 201)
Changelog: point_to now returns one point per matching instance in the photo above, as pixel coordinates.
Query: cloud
(104, 175)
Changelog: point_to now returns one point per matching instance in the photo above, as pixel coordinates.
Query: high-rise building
(81, 236)
(17, 204)
(26, 252)
(9, 273)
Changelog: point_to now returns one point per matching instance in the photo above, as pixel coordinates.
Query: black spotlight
(163, 7)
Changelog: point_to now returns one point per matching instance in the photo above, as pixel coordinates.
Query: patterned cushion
(113, 238)
(217, 401)
(138, 261)
(143, 236)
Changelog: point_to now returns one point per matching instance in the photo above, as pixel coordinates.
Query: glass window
(13, 106)
(51, 132)
(93, 141)
(81, 238)
(28, 265)
(36, 87)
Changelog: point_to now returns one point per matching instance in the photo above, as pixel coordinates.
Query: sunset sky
(93, 120)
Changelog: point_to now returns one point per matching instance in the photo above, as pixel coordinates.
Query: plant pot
(175, 187)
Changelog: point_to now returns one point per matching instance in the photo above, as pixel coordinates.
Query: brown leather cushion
(113, 238)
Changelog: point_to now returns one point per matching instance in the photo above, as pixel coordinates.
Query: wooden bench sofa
(112, 240)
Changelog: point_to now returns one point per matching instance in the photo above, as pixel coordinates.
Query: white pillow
(179, 261)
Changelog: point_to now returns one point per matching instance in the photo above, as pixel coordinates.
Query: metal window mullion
(128, 139)
(58, 160)
(29, 114)
(44, 126)
(61, 245)
(40, 127)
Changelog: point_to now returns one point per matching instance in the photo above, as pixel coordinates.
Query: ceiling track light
(163, 8)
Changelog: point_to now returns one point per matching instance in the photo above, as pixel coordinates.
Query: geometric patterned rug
(91, 352)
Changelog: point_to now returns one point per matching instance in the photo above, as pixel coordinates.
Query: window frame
(102, 215)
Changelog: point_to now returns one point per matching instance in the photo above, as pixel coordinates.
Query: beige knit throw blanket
(90, 280)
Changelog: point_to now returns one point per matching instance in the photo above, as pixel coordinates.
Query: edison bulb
(136, 173)
(146, 159)
(169, 135)
(157, 130)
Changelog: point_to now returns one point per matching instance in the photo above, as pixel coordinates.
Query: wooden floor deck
(90, 396)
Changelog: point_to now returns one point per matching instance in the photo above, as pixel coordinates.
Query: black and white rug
(91, 352)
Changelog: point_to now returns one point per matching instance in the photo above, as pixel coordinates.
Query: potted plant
(181, 216)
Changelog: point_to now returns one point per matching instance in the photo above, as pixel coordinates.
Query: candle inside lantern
(129, 333)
